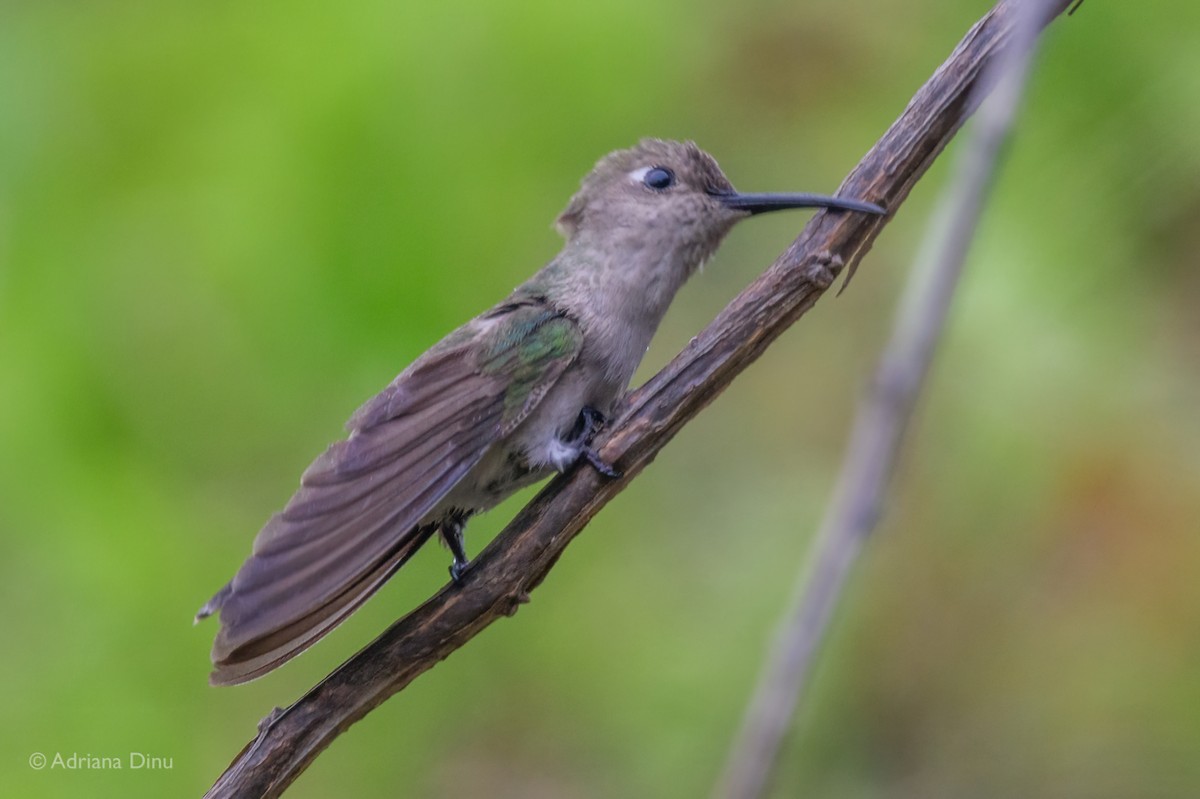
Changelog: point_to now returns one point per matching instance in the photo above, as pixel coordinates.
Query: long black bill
(761, 203)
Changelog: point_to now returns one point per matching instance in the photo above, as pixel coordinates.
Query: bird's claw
(452, 534)
(599, 464)
(590, 422)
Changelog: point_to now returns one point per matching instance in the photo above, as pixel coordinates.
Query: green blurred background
(224, 225)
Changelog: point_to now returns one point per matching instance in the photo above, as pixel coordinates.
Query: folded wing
(361, 510)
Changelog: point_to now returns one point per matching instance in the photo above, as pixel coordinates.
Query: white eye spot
(638, 175)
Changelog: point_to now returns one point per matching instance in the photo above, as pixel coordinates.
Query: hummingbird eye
(659, 178)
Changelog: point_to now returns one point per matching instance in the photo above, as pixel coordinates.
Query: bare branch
(882, 418)
(519, 558)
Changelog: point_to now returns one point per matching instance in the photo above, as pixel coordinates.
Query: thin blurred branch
(883, 415)
(520, 557)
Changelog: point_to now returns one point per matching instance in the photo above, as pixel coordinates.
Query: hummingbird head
(670, 199)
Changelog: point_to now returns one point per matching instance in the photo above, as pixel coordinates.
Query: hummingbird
(507, 399)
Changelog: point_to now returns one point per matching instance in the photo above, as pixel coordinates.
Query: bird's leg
(452, 534)
(590, 421)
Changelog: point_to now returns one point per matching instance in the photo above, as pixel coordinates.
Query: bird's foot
(599, 464)
(452, 534)
(590, 422)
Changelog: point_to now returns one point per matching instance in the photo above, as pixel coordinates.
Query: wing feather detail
(363, 506)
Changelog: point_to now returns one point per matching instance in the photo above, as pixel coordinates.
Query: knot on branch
(823, 269)
(513, 602)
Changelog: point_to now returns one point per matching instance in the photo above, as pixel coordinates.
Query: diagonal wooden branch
(520, 557)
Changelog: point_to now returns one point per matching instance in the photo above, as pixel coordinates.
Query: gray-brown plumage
(498, 404)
